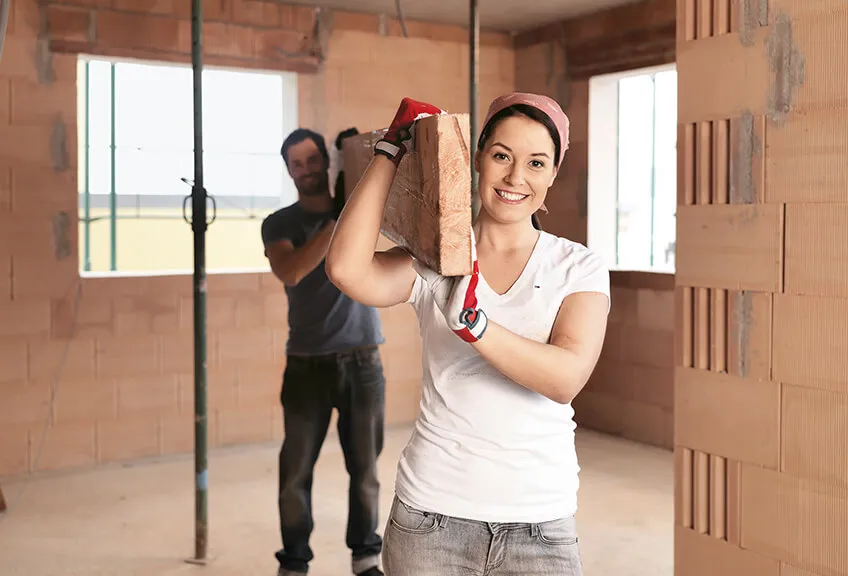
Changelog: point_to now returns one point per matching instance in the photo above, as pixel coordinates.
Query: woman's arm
(558, 370)
(373, 278)
(378, 279)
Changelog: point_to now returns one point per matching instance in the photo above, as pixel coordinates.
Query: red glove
(398, 138)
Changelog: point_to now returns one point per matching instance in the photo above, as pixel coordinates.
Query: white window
(136, 141)
(632, 190)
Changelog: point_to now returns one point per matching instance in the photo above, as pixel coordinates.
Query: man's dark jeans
(353, 383)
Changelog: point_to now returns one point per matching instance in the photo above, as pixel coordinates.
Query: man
(333, 361)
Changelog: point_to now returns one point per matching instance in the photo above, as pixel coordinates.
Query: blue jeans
(419, 543)
(352, 383)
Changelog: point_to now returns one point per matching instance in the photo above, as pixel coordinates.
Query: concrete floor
(139, 518)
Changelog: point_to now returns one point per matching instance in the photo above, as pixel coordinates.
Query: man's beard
(316, 184)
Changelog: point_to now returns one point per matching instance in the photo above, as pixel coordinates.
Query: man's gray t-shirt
(322, 319)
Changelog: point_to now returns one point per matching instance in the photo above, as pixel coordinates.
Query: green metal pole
(474, 112)
(198, 225)
(87, 191)
(113, 196)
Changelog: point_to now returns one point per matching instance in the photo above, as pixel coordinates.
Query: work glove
(399, 137)
(456, 298)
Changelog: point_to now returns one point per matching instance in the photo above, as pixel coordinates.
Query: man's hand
(400, 134)
(456, 297)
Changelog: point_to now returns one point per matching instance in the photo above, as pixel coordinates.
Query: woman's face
(516, 168)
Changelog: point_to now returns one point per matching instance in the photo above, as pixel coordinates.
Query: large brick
(35, 191)
(63, 446)
(127, 438)
(70, 358)
(24, 318)
(34, 103)
(83, 400)
(137, 31)
(126, 357)
(69, 24)
(13, 360)
(147, 396)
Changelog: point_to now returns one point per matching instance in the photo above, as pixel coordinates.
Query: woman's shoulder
(561, 251)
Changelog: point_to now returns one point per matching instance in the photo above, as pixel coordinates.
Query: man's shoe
(372, 572)
(283, 572)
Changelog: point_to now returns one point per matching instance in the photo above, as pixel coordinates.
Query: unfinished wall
(118, 351)
(630, 393)
(761, 385)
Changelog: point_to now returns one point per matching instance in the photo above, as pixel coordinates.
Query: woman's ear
(553, 178)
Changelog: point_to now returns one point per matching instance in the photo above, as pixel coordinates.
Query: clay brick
(87, 317)
(45, 278)
(300, 18)
(213, 10)
(220, 312)
(83, 400)
(127, 439)
(64, 446)
(257, 12)
(177, 433)
(161, 7)
(655, 310)
(20, 60)
(5, 100)
(127, 357)
(29, 145)
(14, 457)
(221, 389)
(69, 24)
(178, 353)
(140, 396)
(251, 313)
(252, 344)
(279, 44)
(259, 385)
(235, 283)
(816, 253)
(73, 359)
(136, 31)
(34, 103)
(22, 318)
(245, 426)
(648, 347)
(276, 309)
(13, 361)
(36, 191)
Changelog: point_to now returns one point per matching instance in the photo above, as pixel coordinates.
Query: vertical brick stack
(761, 384)
(118, 351)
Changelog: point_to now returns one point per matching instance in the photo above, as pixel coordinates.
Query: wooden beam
(428, 210)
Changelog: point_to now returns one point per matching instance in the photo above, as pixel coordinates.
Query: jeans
(353, 383)
(419, 543)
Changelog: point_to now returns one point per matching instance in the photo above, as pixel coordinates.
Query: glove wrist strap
(390, 150)
(474, 323)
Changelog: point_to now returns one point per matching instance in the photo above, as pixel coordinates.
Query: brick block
(55, 276)
(233, 283)
(83, 400)
(73, 359)
(141, 396)
(249, 344)
(14, 457)
(257, 12)
(429, 216)
(126, 357)
(86, 317)
(34, 103)
(26, 144)
(35, 191)
(64, 446)
(300, 18)
(221, 390)
(69, 24)
(177, 433)
(245, 426)
(127, 439)
(220, 312)
(213, 10)
(24, 58)
(159, 7)
(24, 404)
(24, 318)
(137, 31)
(5, 100)
(13, 360)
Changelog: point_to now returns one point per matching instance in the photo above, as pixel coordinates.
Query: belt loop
(534, 530)
(443, 520)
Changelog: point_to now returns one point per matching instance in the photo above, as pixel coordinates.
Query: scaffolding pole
(474, 78)
(198, 226)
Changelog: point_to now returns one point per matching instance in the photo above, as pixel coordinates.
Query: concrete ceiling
(503, 15)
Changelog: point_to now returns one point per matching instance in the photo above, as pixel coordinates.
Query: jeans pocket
(559, 532)
(410, 520)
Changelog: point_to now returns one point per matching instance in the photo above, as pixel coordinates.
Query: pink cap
(548, 106)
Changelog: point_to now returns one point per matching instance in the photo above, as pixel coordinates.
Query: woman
(488, 482)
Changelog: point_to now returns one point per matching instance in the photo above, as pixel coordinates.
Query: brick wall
(631, 391)
(125, 386)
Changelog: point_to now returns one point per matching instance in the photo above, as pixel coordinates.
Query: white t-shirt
(483, 447)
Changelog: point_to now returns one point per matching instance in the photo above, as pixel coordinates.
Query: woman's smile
(510, 197)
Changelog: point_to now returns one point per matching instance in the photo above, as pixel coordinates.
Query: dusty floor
(139, 518)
